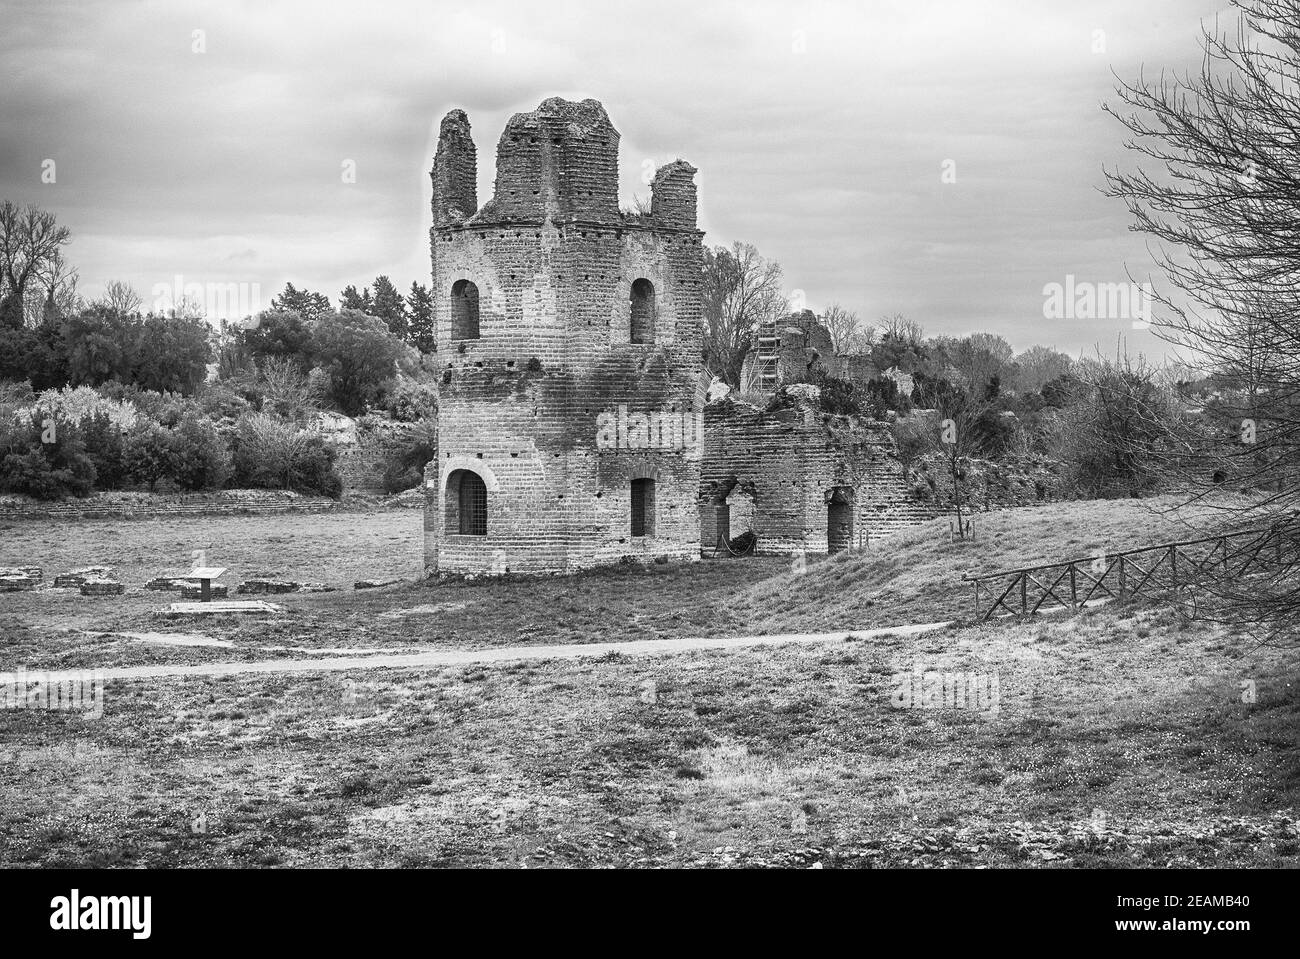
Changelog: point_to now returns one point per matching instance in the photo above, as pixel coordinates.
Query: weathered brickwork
(360, 463)
(548, 265)
(360, 467)
(805, 346)
(814, 480)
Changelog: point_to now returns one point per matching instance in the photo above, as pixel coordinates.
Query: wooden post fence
(1135, 571)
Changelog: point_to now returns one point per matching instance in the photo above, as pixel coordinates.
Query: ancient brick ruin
(573, 386)
(572, 428)
(787, 349)
(792, 347)
(800, 480)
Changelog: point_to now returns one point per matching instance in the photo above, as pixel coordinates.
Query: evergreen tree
(419, 305)
(389, 306)
(308, 305)
(350, 299)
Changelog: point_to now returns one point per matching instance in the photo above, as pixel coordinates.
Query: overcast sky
(821, 132)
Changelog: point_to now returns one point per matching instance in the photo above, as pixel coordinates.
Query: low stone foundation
(79, 577)
(16, 578)
(101, 586)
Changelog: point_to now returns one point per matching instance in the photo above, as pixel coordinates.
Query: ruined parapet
(455, 171)
(803, 330)
(558, 162)
(672, 195)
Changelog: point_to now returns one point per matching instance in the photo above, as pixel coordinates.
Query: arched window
(466, 504)
(643, 507)
(464, 310)
(643, 311)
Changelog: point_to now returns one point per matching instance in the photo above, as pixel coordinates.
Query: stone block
(78, 576)
(100, 586)
(257, 587)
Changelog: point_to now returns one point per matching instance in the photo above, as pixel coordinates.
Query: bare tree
(958, 417)
(30, 239)
(120, 298)
(286, 389)
(864, 340)
(62, 280)
(52, 294)
(1118, 433)
(1222, 196)
(271, 448)
(899, 328)
(742, 290)
(898, 343)
(187, 308)
(848, 335)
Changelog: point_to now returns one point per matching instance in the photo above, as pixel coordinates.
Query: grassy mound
(916, 577)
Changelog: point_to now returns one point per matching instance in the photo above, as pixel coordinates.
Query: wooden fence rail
(1072, 583)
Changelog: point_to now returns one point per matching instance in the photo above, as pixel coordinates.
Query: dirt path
(465, 657)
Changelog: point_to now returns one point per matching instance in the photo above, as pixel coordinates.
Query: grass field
(1121, 735)
(914, 577)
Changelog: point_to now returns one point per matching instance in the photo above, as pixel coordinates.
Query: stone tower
(572, 390)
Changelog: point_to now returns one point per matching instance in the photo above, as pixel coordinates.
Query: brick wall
(360, 468)
(553, 260)
(360, 464)
(798, 463)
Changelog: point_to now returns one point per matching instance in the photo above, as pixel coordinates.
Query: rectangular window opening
(643, 507)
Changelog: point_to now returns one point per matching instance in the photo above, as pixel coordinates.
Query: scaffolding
(769, 343)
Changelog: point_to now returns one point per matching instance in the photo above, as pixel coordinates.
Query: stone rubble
(100, 586)
(77, 577)
(16, 578)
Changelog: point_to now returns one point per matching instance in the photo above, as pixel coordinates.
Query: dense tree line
(276, 370)
(409, 318)
(72, 442)
(96, 395)
(353, 356)
(98, 344)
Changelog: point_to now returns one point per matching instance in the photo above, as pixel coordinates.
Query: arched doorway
(839, 519)
(733, 508)
(466, 504)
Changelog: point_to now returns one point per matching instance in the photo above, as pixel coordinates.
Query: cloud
(820, 133)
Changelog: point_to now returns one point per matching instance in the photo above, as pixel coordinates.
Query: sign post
(205, 575)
